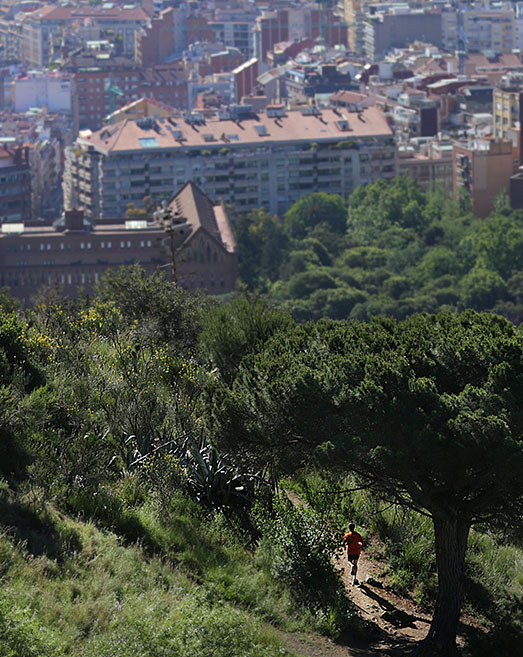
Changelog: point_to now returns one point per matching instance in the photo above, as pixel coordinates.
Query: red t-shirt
(353, 541)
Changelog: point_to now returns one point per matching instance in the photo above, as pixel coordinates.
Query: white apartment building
(39, 89)
(267, 160)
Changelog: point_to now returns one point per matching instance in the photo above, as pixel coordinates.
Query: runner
(354, 542)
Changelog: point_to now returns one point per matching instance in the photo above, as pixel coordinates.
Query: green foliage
(404, 251)
(20, 634)
(418, 408)
(481, 288)
(262, 247)
(313, 209)
(375, 208)
(300, 546)
(238, 329)
(195, 628)
(163, 311)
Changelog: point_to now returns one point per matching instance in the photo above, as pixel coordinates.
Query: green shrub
(20, 634)
(299, 546)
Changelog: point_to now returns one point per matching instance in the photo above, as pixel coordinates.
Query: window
(82, 245)
(122, 245)
(102, 245)
(62, 246)
(149, 243)
(129, 244)
(88, 245)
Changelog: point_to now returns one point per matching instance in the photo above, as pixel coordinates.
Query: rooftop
(304, 125)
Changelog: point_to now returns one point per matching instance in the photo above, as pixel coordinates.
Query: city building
(44, 29)
(51, 90)
(75, 255)
(15, 182)
(244, 159)
(506, 110)
(244, 77)
(483, 169)
(488, 29)
(37, 138)
(104, 82)
(141, 109)
(234, 34)
(295, 24)
(429, 163)
(156, 43)
(303, 82)
(354, 12)
(399, 27)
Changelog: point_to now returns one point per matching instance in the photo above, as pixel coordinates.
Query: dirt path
(399, 623)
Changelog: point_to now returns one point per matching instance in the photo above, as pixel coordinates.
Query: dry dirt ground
(398, 622)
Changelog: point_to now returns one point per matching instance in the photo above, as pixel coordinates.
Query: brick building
(94, 74)
(155, 44)
(77, 254)
(245, 79)
(483, 169)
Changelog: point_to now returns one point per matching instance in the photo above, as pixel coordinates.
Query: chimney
(74, 220)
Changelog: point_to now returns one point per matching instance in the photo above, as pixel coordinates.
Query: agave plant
(214, 480)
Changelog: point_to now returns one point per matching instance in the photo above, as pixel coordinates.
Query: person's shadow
(396, 617)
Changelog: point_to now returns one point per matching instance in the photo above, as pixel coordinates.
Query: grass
(88, 587)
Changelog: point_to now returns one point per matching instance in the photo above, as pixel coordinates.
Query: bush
(299, 545)
(20, 635)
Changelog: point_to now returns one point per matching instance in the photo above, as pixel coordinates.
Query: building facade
(482, 169)
(77, 254)
(249, 161)
(506, 110)
(15, 183)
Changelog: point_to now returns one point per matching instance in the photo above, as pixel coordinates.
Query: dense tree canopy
(401, 251)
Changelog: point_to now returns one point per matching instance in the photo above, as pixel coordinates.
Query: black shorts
(353, 558)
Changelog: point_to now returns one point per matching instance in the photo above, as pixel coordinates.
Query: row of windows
(16, 279)
(88, 245)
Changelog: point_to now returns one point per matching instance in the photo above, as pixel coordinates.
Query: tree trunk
(451, 544)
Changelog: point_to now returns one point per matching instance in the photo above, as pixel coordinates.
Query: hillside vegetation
(394, 250)
(144, 434)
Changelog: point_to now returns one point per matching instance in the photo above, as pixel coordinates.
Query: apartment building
(398, 28)
(431, 165)
(489, 30)
(294, 24)
(157, 42)
(243, 159)
(15, 182)
(234, 34)
(354, 12)
(52, 90)
(104, 82)
(43, 28)
(483, 168)
(76, 254)
(506, 110)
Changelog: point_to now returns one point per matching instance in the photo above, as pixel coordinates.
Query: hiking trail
(398, 622)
